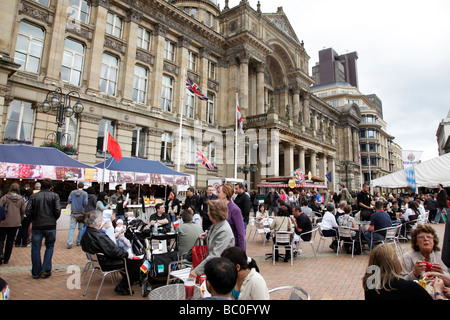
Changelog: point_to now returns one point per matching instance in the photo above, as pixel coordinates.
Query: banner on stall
(36, 171)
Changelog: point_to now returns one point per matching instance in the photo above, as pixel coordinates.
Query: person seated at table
(329, 225)
(302, 224)
(160, 218)
(389, 284)
(281, 222)
(221, 275)
(111, 255)
(304, 207)
(425, 248)
(250, 285)
(314, 205)
(378, 220)
(262, 213)
(218, 237)
(188, 233)
(345, 220)
(394, 211)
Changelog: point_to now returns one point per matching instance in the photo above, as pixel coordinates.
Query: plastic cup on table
(189, 285)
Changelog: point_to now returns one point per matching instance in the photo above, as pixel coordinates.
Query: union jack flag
(200, 157)
(192, 87)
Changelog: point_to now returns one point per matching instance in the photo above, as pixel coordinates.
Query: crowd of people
(220, 218)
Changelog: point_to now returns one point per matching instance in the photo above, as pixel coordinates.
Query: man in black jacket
(242, 200)
(206, 222)
(112, 256)
(43, 209)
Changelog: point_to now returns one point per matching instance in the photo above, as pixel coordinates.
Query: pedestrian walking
(43, 209)
(78, 199)
(15, 210)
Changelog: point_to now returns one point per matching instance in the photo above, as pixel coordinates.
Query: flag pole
(181, 124)
(235, 138)
(102, 186)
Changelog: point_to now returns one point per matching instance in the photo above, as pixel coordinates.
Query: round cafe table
(172, 292)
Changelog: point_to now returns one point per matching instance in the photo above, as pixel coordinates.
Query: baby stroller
(161, 250)
(136, 234)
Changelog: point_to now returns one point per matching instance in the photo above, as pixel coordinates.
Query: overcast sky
(403, 51)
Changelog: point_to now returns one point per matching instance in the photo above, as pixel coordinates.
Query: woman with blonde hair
(219, 237)
(383, 280)
(235, 218)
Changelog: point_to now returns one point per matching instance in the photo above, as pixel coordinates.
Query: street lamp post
(55, 100)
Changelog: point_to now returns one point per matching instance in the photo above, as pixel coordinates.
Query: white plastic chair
(260, 230)
(178, 270)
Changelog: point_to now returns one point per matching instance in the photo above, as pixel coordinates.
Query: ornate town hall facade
(127, 60)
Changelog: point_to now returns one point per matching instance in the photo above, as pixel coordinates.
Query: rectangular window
(167, 94)
(30, 42)
(192, 11)
(72, 64)
(140, 84)
(210, 109)
(19, 122)
(211, 70)
(114, 25)
(363, 147)
(362, 133)
(80, 10)
(190, 105)
(210, 20)
(108, 74)
(212, 153)
(166, 147)
(372, 147)
(43, 2)
(169, 50)
(190, 151)
(144, 39)
(104, 127)
(371, 133)
(192, 61)
(138, 142)
(70, 131)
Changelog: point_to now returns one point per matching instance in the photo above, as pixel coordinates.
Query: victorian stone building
(126, 62)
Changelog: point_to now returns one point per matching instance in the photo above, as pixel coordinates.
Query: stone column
(313, 163)
(296, 104)
(182, 55)
(98, 40)
(306, 112)
(301, 158)
(322, 166)
(260, 88)
(203, 70)
(159, 34)
(273, 168)
(56, 48)
(288, 159)
(133, 18)
(244, 59)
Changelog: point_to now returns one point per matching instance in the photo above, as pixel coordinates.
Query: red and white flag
(238, 115)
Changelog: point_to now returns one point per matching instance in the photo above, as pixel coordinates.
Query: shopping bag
(199, 253)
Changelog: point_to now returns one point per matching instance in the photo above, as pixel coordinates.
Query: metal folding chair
(293, 291)
(97, 269)
(282, 238)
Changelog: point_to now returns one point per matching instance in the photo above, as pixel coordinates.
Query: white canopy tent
(428, 174)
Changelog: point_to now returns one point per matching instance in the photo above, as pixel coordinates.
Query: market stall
(28, 162)
(140, 172)
(427, 174)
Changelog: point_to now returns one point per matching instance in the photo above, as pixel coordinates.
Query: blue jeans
(439, 212)
(36, 243)
(376, 236)
(72, 225)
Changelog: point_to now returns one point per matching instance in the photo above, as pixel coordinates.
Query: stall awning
(28, 162)
(136, 170)
(285, 185)
(44, 156)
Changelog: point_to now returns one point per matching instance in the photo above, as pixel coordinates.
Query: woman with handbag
(218, 238)
(15, 210)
